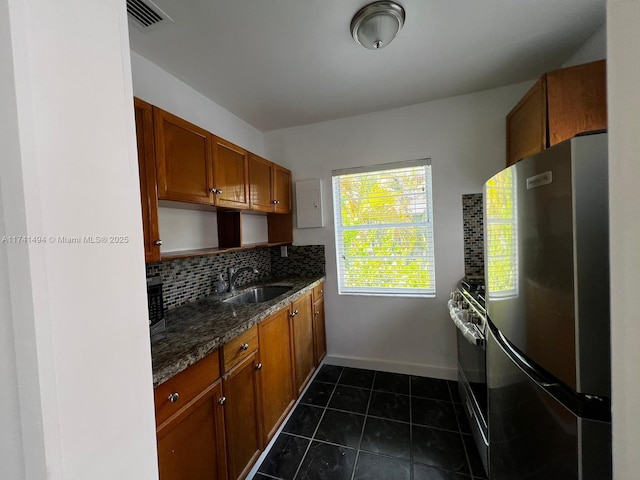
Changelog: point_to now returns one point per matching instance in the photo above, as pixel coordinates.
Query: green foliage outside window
(385, 231)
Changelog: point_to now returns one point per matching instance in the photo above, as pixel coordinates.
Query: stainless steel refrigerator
(547, 298)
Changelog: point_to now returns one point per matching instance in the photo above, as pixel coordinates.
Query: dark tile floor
(355, 424)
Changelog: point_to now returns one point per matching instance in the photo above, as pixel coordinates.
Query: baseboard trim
(446, 373)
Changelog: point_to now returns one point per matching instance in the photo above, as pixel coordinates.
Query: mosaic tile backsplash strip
(473, 221)
(301, 261)
(188, 279)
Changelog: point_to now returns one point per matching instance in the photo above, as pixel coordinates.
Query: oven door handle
(470, 331)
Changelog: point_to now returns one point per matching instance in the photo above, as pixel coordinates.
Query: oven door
(472, 384)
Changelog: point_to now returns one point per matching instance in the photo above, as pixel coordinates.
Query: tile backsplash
(301, 261)
(473, 225)
(188, 279)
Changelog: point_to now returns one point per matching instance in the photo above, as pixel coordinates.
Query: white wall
(181, 229)
(623, 78)
(465, 139)
(595, 48)
(76, 313)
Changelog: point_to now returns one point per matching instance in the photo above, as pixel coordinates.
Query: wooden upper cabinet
(260, 183)
(282, 189)
(527, 124)
(561, 105)
(183, 158)
(577, 100)
(147, 171)
(230, 175)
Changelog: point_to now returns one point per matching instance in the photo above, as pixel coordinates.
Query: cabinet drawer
(186, 384)
(318, 292)
(240, 347)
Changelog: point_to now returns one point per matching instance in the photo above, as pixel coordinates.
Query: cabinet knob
(173, 398)
(222, 400)
(216, 191)
(274, 201)
(259, 366)
(244, 346)
(321, 291)
(317, 313)
(294, 313)
(158, 243)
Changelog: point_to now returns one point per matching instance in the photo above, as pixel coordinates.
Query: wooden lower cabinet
(215, 428)
(276, 376)
(191, 444)
(319, 332)
(242, 415)
(302, 333)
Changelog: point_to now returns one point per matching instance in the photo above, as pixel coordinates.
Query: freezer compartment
(533, 435)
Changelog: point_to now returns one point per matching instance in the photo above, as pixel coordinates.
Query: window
(384, 229)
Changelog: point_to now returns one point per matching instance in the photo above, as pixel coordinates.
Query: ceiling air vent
(146, 13)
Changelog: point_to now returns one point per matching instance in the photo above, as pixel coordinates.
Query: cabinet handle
(244, 346)
(173, 398)
(222, 400)
(158, 243)
(259, 366)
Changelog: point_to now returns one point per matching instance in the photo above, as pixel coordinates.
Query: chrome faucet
(233, 273)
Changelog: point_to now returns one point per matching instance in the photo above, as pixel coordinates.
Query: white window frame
(429, 291)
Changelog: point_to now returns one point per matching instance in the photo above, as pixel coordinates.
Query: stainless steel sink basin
(258, 294)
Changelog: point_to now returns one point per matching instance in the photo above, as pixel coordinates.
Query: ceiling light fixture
(377, 24)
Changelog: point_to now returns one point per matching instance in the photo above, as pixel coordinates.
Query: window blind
(384, 229)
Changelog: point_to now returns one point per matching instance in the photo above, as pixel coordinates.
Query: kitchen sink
(258, 294)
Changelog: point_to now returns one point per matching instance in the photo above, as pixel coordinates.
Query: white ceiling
(283, 63)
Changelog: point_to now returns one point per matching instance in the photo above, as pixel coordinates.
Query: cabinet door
(281, 189)
(577, 100)
(260, 181)
(302, 327)
(276, 376)
(192, 444)
(527, 124)
(242, 416)
(319, 332)
(147, 172)
(183, 159)
(230, 174)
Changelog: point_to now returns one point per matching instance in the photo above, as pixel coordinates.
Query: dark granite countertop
(197, 329)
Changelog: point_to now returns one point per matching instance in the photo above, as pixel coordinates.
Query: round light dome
(377, 24)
